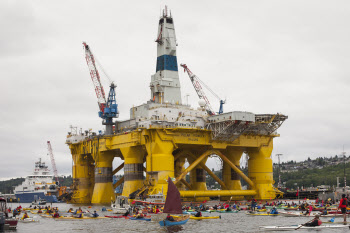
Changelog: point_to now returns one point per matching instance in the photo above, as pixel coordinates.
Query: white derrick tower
(165, 84)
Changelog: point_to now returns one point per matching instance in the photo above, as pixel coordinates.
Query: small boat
(204, 217)
(295, 227)
(173, 206)
(142, 219)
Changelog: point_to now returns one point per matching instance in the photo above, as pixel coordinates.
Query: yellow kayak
(203, 217)
(262, 210)
(73, 218)
(263, 214)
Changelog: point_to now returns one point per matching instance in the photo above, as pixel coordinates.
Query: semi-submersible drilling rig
(164, 133)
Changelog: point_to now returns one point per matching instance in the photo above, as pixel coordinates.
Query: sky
(289, 57)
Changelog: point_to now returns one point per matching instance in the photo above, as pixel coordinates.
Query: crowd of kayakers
(305, 207)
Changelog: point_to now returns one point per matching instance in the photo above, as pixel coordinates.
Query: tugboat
(40, 185)
(6, 223)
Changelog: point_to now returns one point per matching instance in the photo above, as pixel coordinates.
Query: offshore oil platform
(163, 134)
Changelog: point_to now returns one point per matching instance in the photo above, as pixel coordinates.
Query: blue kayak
(144, 219)
(172, 223)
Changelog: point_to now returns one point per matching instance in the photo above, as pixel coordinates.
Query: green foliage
(7, 186)
(314, 177)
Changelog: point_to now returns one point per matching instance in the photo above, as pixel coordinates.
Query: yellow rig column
(133, 169)
(198, 178)
(231, 179)
(83, 178)
(160, 162)
(103, 190)
(260, 170)
(179, 168)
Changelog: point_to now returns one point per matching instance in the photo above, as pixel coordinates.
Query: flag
(297, 193)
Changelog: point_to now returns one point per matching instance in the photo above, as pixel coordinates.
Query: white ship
(38, 186)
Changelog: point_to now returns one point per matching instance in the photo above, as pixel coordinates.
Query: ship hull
(30, 197)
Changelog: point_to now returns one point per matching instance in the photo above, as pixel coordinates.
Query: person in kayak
(25, 215)
(140, 215)
(95, 215)
(325, 212)
(170, 218)
(314, 223)
(56, 215)
(253, 204)
(198, 214)
(342, 205)
(274, 211)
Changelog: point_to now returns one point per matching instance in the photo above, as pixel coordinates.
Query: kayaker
(95, 215)
(140, 215)
(170, 218)
(228, 209)
(274, 211)
(253, 204)
(198, 214)
(25, 215)
(14, 212)
(56, 215)
(306, 213)
(342, 205)
(157, 210)
(325, 212)
(315, 222)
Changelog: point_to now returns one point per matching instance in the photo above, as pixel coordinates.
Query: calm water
(231, 222)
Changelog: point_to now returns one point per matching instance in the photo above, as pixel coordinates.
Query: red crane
(197, 86)
(95, 76)
(52, 161)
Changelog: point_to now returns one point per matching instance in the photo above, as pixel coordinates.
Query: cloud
(265, 57)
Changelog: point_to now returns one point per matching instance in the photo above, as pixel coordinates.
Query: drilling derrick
(162, 135)
(53, 163)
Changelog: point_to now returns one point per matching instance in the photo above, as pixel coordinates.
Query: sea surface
(229, 222)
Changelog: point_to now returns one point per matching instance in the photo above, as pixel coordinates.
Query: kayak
(295, 227)
(235, 211)
(262, 214)
(142, 219)
(262, 210)
(290, 214)
(28, 220)
(71, 218)
(121, 216)
(204, 217)
(172, 223)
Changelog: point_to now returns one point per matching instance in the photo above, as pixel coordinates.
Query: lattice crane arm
(196, 82)
(95, 76)
(53, 163)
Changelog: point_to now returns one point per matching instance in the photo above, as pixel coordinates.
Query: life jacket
(343, 203)
(319, 222)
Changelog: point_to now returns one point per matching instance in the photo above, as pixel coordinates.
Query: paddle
(303, 224)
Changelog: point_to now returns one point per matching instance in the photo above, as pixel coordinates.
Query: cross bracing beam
(119, 182)
(115, 171)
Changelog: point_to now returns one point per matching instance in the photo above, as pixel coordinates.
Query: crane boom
(52, 161)
(197, 86)
(95, 76)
